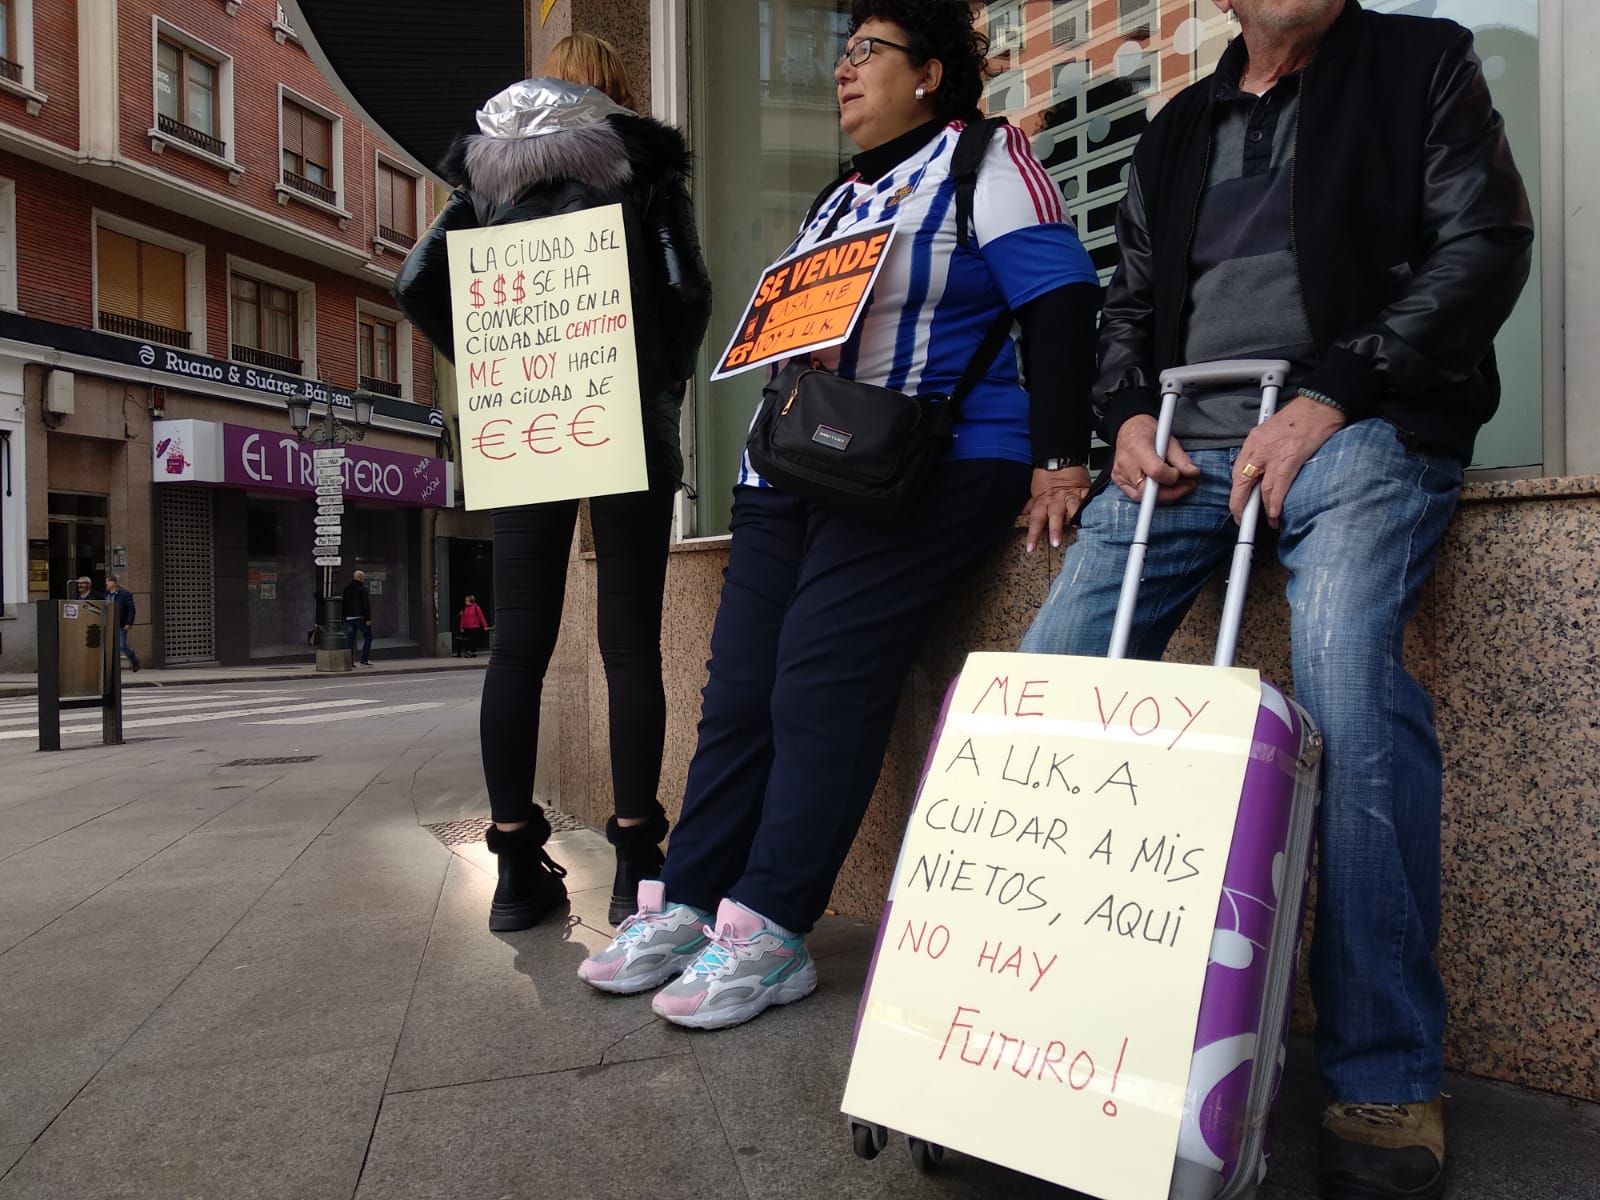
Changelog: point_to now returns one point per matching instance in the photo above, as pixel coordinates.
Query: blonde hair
(584, 58)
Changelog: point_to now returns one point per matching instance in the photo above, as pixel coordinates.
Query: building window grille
(379, 362)
(308, 153)
(142, 289)
(1136, 19)
(186, 133)
(1069, 22)
(10, 52)
(266, 323)
(188, 98)
(145, 331)
(397, 206)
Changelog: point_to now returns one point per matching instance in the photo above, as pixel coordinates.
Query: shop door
(471, 574)
(77, 541)
(188, 575)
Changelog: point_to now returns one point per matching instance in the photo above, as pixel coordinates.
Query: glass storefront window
(282, 581)
(1083, 78)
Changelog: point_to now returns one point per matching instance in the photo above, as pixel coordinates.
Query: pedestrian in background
(358, 617)
(569, 142)
(83, 589)
(473, 625)
(125, 611)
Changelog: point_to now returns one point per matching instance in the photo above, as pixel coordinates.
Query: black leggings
(532, 546)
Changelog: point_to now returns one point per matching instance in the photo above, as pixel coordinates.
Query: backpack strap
(971, 146)
(993, 338)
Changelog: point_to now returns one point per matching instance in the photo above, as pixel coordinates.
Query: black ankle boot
(638, 857)
(530, 880)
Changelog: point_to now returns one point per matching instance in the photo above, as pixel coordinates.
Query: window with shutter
(397, 206)
(308, 152)
(142, 288)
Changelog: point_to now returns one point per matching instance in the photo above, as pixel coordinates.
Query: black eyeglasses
(859, 53)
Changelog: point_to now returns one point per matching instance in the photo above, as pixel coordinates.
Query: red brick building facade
(193, 228)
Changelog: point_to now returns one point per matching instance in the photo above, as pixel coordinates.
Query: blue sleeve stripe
(1036, 259)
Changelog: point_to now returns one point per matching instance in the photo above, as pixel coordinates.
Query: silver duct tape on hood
(536, 107)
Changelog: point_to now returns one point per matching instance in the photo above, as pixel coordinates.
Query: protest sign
(545, 363)
(1035, 992)
(808, 301)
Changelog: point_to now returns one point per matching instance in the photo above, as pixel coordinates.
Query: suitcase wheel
(925, 1155)
(867, 1140)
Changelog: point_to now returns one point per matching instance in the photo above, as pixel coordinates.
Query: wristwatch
(1059, 464)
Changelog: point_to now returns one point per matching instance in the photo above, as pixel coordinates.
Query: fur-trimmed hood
(545, 130)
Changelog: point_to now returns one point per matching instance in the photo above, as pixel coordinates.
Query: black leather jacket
(516, 175)
(1410, 226)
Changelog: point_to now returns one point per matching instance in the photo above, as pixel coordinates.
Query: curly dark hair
(939, 29)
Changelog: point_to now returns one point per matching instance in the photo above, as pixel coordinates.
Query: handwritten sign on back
(545, 362)
(1037, 985)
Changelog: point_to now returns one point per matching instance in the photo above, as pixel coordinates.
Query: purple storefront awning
(271, 460)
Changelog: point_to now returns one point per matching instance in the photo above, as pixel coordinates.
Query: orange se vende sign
(808, 301)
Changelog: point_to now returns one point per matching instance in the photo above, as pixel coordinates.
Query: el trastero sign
(545, 363)
(189, 451)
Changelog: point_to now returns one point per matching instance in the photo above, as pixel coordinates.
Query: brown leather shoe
(1381, 1151)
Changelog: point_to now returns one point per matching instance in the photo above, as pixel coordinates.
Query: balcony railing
(10, 70)
(195, 137)
(144, 330)
(384, 387)
(315, 190)
(265, 358)
(396, 237)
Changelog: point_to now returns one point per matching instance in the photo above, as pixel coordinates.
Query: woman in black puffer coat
(548, 146)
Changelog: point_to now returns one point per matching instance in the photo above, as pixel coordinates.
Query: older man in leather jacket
(1338, 194)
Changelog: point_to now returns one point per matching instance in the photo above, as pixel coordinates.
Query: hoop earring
(920, 92)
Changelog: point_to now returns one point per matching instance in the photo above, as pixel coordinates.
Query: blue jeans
(122, 640)
(1360, 532)
(354, 626)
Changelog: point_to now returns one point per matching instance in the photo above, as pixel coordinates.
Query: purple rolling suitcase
(1250, 973)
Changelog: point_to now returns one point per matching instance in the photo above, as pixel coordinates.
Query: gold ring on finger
(1249, 470)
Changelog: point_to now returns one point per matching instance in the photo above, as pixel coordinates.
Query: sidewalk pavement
(26, 683)
(274, 980)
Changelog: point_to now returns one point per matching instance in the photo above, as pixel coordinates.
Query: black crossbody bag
(859, 448)
(856, 447)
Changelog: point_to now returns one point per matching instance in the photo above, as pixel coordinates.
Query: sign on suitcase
(1045, 943)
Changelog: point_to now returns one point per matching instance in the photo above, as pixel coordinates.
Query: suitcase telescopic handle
(1263, 372)
(1267, 374)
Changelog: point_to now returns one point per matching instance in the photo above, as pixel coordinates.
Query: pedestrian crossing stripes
(171, 709)
(358, 714)
(131, 707)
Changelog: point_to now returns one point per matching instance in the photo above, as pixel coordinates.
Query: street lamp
(330, 505)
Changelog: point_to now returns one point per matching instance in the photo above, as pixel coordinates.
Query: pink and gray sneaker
(743, 970)
(650, 947)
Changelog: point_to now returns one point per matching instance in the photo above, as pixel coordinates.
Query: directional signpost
(328, 466)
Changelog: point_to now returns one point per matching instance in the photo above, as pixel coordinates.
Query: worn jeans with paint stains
(1360, 532)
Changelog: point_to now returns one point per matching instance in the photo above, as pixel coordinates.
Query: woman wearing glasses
(822, 612)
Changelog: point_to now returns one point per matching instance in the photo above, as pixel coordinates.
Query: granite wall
(1505, 643)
